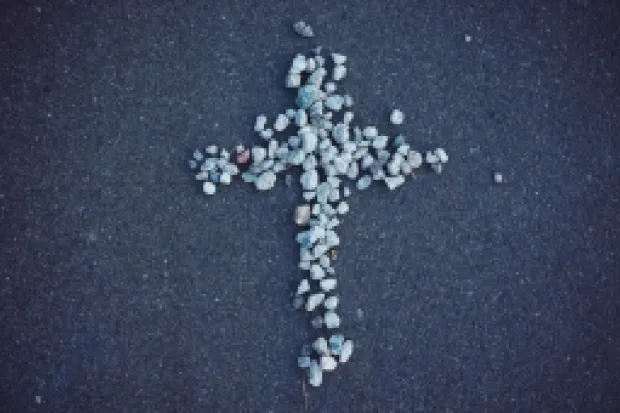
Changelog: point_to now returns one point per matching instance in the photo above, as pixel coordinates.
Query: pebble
(265, 181)
(303, 287)
(281, 122)
(317, 272)
(328, 284)
(208, 188)
(370, 132)
(259, 124)
(303, 29)
(397, 117)
(331, 320)
(364, 182)
(321, 346)
(347, 351)
(331, 303)
(304, 362)
(258, 154)
(309, 180)
(302, 214)
(498, 178)
(415, 159)
(335, 343)
(328, 363)
(441, 154)
(340, 72)
(394, 182)
(314, 301)
(315, 374)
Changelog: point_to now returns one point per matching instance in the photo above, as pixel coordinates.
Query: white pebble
(208, 188)
(281, 122)
(304, 287)
(261, 121)
(317, 272)
(347, 350)
(321, 346)
(302, 214)
(331, 319)
(339, 73)
(315, 374)
(328, 284)
(314, 301)
(441, 154)
(309, 179)
(394, 182)
(397, 117)
(331, 303)
(225, 178)
(498, 178)
(328, 363)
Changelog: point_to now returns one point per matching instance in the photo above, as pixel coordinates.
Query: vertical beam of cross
(319, 137)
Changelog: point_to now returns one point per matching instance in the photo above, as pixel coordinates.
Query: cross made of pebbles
(319, 136)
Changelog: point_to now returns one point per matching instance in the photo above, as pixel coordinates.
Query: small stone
(193, 164)
(370, 132)
(498, 178)
(301, 118)
(304, 362)
(334, 102)
(315, 374)
(331, 320)
(309, 180)
(431, 158)
(441, 154)
(393, 182)
(259, 124)
(321, 346)
(293, 80)
(380, 142)
(339, 73)
(397, 117)
(298, 302)
(304, 287)
(281, 122)
(347, 350)
(302, 214)
(266, 134)
(335, 343)
(348, 101)
(317, 272)
(225, 178)
(328, 363)
(364, 182)
(330, 87)
(208, 188)
(328, 284)
(415, 159)
(265, 181)
(346, 192)
(314, 301)
(303, 29)
(331, 303)
(211, 149)
(258, 154)
(308, 94)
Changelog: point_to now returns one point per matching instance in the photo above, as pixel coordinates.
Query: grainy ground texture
(125, 289)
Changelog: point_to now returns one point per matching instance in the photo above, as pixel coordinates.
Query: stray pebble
(498, 178)
(303, 29)
(397, 117)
